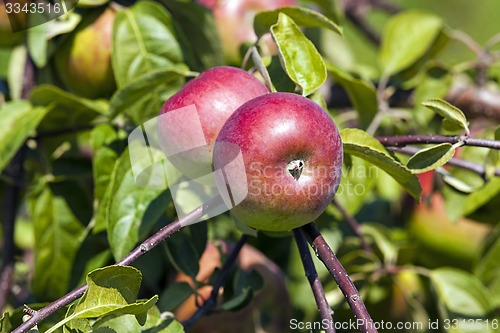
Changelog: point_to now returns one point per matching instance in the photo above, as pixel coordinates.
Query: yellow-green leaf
(406, 38)
(300, 58)
(359, 143)
(454, 118)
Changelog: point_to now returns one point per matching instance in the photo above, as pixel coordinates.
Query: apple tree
(400, 100)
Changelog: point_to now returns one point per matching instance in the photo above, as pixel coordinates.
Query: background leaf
(406, 38)
(142, 99)
(126, 208)
(303, 17)
(454, 117)
(302, 62)
(143, 41)
(197, 32)
(361, 93)
(68, 111)
(361, 144)
(18, 120)
(58, 235)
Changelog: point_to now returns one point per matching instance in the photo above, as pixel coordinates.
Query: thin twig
(403, 140)
(143, 248)
(15, 171)
(325, 254)
(354, 225)
(383, 105)
(457, 162)
(211, 302)
(359, 20)
(316, 286)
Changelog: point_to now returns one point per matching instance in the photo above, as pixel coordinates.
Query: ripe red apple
(234, 20)
(84, 60)
(216, 93)
(292, 156)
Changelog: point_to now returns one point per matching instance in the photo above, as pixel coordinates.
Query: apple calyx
(295, 168)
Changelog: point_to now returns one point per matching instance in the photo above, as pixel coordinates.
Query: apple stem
(211, 302)
(138, 252)
(339, 274)
(316, 285)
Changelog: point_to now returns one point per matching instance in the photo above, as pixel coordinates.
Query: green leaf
(382, 240)
(18, 120)
(5, 325)
(69, 111)
(480, 197)
(435, 83)
(156, 322)
(246, 284)
(461, 292)
(488, 266)
(111, 290)
(406, 38)
(302, 62)
(102, 138)
(143, 98)
(197, 33)
(126, 208)
(143, 41)
(182, 253)
(92, 3)
(454, 118)
(174, 295)
(58, 235)
(361, 93)
(303, 17)
(430, 158)
(359, 143)
(15, 77)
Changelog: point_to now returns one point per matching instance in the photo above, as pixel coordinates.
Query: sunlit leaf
(454, 118)
(407, 36)
(18, 120)
(143, 41)
(58, 235)
(361, 144)
(303, 17)
(111, 290)
(302, 62)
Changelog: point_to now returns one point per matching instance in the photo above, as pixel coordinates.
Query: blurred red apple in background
(234, 19)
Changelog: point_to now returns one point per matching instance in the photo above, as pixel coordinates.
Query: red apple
(84, 60)
(234, 19)
(292, 156)
(202, 106)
